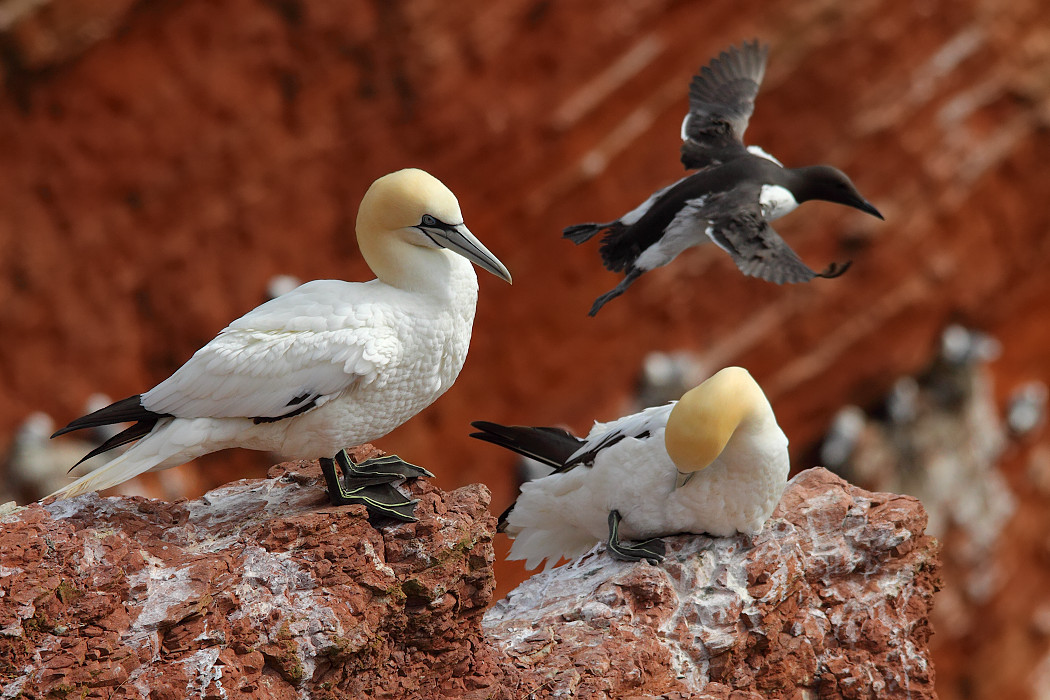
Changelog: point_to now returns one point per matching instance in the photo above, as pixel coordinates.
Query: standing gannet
(328, 365)
(713, 462)
(733, 196)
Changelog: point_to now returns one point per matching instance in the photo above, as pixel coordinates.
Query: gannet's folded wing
(272, 374)
(604, 435)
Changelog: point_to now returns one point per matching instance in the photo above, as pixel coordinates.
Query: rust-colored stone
(820, 603)
(259, 588)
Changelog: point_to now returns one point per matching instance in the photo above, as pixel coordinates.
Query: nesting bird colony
(332, 364)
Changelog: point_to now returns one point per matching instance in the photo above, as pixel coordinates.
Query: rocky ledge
(831, 599)
(258, 589)
(261, 589)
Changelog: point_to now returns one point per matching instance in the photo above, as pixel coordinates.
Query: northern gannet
(328, 365)
(713, 462)
(733, 196)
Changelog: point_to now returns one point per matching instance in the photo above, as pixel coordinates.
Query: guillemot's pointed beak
(459, 239)
(866, 206)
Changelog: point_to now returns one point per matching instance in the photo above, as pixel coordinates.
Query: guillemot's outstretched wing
(721, 99)
(759, 251)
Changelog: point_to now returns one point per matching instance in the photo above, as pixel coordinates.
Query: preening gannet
(713, 462)
(733, 196)
(328, 365)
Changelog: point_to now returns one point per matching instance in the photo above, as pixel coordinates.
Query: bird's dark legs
(651, 550)
(372, 483)
(632, 274)
(386, 468)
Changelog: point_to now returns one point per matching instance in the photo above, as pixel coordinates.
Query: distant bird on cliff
(328, 365)
(732, 197)
(713, 462)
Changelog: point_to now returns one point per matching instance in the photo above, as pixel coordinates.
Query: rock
(258, 589)
(831, 599)
(261, 589)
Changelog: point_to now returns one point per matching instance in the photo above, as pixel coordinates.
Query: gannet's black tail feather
(124, 411)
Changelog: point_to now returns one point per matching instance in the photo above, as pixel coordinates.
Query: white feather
(565, 514)
(369, 355)
(687, 229)
(761, 153)
(775, 201)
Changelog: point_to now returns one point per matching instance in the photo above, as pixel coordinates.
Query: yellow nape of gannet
(713, 462)
(327, 365)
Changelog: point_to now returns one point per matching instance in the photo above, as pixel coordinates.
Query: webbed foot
(652, 550)
(376, 493)
(378, 470)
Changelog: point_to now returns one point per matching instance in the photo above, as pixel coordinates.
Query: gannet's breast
(563, 515)
(373, 354)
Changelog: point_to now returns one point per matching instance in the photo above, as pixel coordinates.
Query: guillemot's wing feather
(721, 100)
(759, 251)
(289, 355)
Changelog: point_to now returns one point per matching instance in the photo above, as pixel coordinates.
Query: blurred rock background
(161, 162)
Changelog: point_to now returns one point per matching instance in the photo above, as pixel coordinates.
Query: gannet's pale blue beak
(459, 239)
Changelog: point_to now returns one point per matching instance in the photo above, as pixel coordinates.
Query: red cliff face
(161, 161)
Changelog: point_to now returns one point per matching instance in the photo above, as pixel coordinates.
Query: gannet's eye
(429, 220)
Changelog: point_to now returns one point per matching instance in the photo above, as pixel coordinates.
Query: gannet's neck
(706, 418)
(408, 266)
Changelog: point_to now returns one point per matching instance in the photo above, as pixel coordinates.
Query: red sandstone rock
(262, 590)
(830, 600)
(258, 589)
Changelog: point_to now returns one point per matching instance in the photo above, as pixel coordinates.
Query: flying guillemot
(713, 462)
(732, 197)
(327, 365)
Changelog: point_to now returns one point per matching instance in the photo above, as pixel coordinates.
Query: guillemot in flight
(713, 462)
(732, 197)
(327, 365)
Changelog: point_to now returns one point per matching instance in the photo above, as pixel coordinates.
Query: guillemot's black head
(831, 185)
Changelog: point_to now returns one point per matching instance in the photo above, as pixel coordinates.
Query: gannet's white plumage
(721, 439)
(329, 364)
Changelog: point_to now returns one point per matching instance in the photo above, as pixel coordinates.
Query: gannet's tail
(143, 456)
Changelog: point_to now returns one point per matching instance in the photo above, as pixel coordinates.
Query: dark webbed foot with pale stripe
(386, 469)
(652, 550)
(371, 483)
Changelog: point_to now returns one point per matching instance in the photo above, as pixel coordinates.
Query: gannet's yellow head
(706, 417)
(414, 207)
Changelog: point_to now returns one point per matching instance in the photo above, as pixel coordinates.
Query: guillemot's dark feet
(377, 470)
(651, 550)
(376, 493)
(632, 274)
